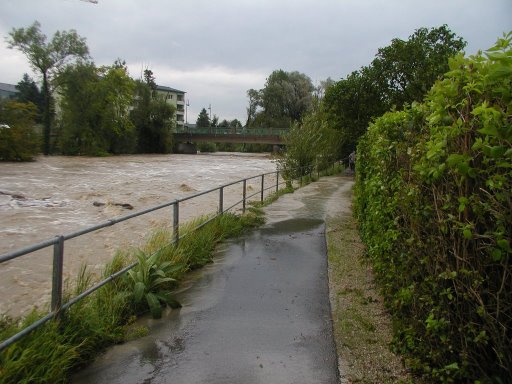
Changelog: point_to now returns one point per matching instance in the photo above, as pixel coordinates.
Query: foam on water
(55, 195)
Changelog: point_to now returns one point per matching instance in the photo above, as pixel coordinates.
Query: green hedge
(434, 203)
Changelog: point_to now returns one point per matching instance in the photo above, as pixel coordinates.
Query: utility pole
(187, 104)
(210, 108)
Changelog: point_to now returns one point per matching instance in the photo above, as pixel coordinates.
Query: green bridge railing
(232, 131)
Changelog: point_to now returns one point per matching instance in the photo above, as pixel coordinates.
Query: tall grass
(49, 353)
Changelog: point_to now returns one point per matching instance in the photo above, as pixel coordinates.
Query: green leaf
(160, 273)
(503, 244)
(138, 291)
(161, 280)
(452, 367)
(467, 234)
(154, 305)
(496, 254)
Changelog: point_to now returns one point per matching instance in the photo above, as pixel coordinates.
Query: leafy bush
(207, 147)
(18, 139)
(434, 202)
(310, 146)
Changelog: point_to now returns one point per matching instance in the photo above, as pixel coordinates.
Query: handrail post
(244, 195)
(221, 200)
(176, 222)
(58, 262)
(277, 181)
(262, 186)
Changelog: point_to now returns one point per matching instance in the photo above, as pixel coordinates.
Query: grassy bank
(362, 328)
(51, 352)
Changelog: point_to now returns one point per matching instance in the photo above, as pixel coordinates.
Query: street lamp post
(210, 108)
(187, 104)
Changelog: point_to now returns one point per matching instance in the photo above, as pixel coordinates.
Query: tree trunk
(46, 115)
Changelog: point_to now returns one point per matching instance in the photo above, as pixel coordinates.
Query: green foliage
(51, 352)
(310, 146)
(285, 99)
(349, 106)
(406, 70)
(151, 282)
(48, 58)
(400, 74)
(206, 147)
(434, 202)
(95, 104)
(203, 120)
(18, 140)
(28, 92)
(40, 358)
(153, 119)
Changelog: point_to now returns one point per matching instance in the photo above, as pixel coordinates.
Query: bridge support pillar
(187, 148)
(276, 148)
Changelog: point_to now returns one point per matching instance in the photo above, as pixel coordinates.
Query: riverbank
(59, 194)
(362, 327)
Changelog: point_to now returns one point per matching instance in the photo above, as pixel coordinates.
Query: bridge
(230, 135)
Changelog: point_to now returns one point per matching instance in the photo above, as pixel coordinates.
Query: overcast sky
(217, 50)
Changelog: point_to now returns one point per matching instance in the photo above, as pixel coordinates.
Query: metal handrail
(256, 131)
(58, 242)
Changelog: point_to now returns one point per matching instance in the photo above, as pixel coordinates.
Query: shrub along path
(259, 313)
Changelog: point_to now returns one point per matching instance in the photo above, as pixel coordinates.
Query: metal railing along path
(58, 243)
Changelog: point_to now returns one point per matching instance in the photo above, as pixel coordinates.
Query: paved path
(259, 314)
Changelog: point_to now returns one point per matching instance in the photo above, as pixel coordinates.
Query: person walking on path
(352, 161)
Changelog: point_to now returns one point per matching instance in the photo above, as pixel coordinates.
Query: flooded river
(58, 195)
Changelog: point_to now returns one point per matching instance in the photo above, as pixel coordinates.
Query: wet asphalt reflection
(259, 314)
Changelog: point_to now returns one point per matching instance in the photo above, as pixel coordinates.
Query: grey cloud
(327, 38)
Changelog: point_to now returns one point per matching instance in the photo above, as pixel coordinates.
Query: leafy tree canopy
(47, 58)
(18, 140)
(408, 69)
(285, 99)
(400, 74)
(28, 92)
(203, 120)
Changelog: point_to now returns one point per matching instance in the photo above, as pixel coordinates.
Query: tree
(18, 140)
(203, 120)
(223, 124)
(47, 58)
(28, 92)
(408, 69)
(153, 119)
(254, 101)
(400, 74)
(235, 123)
(349, 106)
(117, 93)
(80, 117)
(215, 121)
(95, 110)
(285, 99)
(149, 79)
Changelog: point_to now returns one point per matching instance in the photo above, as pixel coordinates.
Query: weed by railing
(57, 307)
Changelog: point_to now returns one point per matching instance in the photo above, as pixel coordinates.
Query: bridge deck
(231, 135)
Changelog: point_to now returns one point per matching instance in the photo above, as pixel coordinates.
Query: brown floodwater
(59, 195)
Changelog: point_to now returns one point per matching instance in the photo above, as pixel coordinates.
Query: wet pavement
(259, 314)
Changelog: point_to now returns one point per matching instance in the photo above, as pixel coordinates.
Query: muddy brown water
(58, 195)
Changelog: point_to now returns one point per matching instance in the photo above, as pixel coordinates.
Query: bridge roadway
(231, 135)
